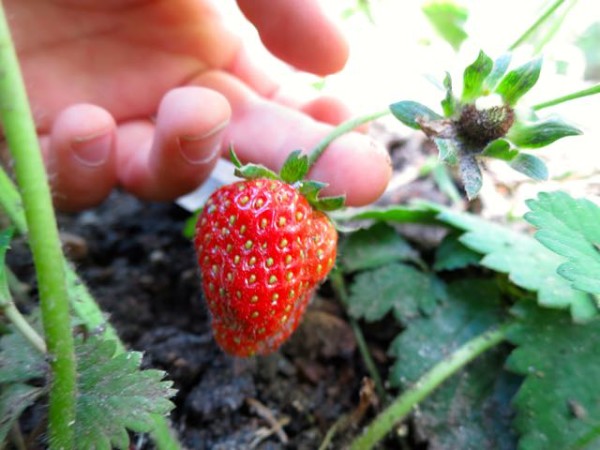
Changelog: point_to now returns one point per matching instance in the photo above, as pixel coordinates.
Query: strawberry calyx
(294, 170)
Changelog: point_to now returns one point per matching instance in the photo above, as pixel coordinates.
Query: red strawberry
(262, 249)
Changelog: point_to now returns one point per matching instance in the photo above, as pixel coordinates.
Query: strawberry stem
(533, 28)
(427, 384)
(341, 129)
(565, 98)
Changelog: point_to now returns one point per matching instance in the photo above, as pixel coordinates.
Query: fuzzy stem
(337, 281)
(565, 98)
(86, 308)
(430, 381)
(21, 136)
(340, 130)
(533, 28)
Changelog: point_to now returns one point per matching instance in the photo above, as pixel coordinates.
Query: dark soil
(142, 271)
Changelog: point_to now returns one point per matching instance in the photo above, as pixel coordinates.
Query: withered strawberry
(262, 249)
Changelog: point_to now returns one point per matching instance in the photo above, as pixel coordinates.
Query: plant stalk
(85, 307)
(565, 98)
(428, 383)
(20, 133)
(340, 130)
(533, 28)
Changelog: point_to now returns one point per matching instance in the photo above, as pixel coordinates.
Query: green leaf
(500, 66)
(500, 149)
(528, 263)
(115, 395)
(395, 213)
(14, 399)
(471, 410)
(519, 81)
(558, 404)
(374, 247)
(397, 288)
(530, 165)
(449, 103)
(452, 254)
(448, 19)
(472, 307)
(474, 77)
(448, 150)
(410, 113)
(470, 174)
(571, 228)
(5, 237)
(20, 362)
(541, 133)
(295, 167)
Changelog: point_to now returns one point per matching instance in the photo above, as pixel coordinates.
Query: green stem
(337, 281)
(21, 136)
(86, 308)
(533, 28)
(340, 130)
(565, 98)
(554, 28)
(16, 318)
(430, 381)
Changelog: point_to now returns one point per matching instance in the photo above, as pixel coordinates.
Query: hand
(147, 94)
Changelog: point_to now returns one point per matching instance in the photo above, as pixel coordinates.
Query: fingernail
(201, 149)
(92, 150)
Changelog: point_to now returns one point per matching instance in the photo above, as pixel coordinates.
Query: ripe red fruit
(262, 250)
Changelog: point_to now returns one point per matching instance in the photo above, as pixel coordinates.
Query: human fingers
(172, 157)
(266, 132)
(80, 156)
(298, 32)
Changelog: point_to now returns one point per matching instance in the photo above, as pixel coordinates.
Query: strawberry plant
(490, 336)
(94, 388)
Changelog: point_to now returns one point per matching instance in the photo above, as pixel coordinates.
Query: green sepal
(519, 81)
(530, 165)
(449, 102)
(448, 150)
(330, 203)
(295, 167)
(474, 77)
(541, 133)
(410, 113)
(310, 189)
(500, 149)
(500, 66)
(254, 171)
(250, 171)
